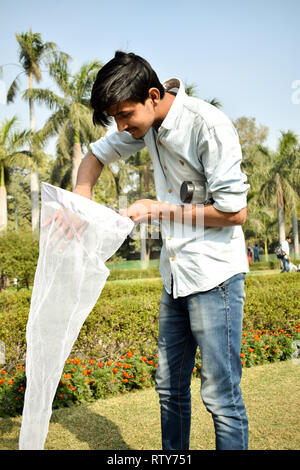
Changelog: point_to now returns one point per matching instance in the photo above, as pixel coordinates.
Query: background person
(286, 259)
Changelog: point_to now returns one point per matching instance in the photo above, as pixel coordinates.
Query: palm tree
(282, 181)
(72, 117)
(33, 52)
(11, 154)
(190, 89)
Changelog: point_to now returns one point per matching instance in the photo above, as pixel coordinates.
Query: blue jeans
(286, 265)
(212, 320)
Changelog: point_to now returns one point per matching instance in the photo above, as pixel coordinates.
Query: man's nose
(122, 126)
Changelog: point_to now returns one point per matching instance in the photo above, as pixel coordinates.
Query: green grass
(132, 421)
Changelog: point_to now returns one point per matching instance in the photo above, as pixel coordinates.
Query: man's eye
(126, 114)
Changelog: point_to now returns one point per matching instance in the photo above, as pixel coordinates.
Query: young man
(203, 276)
(286, 259)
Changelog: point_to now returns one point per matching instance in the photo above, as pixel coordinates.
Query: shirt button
(169, 238)
(182, 163)
(170, 190)
(165, 167)
(173, 258)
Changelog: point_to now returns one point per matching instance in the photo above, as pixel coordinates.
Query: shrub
(83, 381)
(126, 315)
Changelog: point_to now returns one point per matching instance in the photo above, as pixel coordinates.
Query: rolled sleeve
(115, 145)
(221, 158)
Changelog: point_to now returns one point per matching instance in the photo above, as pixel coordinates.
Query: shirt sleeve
(115, 145)
(221, 157)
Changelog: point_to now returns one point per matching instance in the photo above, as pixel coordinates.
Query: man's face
(132, 117)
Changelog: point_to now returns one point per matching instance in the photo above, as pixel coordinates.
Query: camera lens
(187, 191)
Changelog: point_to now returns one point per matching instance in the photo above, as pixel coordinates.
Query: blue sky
(244, 53)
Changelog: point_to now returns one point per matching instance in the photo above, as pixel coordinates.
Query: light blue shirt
(195, 142)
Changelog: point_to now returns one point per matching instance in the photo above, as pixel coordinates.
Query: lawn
(132, 421)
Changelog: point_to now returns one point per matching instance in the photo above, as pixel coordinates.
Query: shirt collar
(174, 84)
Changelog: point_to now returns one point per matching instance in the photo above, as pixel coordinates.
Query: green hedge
(126, 315)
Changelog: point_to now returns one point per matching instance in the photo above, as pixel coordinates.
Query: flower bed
(92, 380)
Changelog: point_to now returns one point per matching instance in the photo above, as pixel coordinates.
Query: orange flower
(244, 342)
(76, 360)
(21, 389)
(125, 375)
(150, 362)
(109, 363)
(125, 381)
(242, 355)
(60, 396)
(143, 379)
(194, 370)
(2, 381)
(119, 364)
(156, 365)
(275, 351)
(91, 361)
(115, 370)
(256, 338)
(68, 376)
(243, 363)
(250, 350)
(11, 382)
(73, 370)
(3, 372)
(100, 365)
(122, 357)
(129, 354)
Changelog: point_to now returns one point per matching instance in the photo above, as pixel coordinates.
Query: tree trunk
(266, 250)
(77, 154)
(3, 201)
(34, 177)
(35, 203)
(280, 209)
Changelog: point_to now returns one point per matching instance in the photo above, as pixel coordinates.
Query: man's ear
(154, 95)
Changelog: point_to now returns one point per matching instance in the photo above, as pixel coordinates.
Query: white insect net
(77, 236)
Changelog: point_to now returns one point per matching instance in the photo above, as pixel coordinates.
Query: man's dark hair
(125, 77)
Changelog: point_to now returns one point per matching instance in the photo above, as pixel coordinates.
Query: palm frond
(43, 96)
(13, 90)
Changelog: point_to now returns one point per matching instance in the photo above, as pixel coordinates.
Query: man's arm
(87, 176)
(147, 209)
